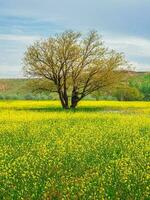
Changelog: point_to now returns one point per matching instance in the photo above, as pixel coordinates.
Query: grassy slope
(18, 86)
(100, 151)
(13, 86)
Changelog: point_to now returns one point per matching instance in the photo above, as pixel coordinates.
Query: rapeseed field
(98, 151)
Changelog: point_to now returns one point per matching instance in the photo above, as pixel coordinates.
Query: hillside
(12, 87)
(17, 88)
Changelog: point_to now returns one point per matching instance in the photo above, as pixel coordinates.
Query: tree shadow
(76, 110)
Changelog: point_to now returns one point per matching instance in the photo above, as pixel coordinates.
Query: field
(99, 151)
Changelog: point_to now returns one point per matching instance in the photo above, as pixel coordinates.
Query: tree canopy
(74, 65)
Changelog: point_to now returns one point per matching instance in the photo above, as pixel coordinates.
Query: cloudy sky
(124, 25)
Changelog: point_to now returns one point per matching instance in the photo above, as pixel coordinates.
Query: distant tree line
(137, 88)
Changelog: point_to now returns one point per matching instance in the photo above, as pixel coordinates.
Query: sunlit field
(99, 151)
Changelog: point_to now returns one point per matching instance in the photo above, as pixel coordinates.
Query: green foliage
(142, 83)
(20, 89)
(101, 95)
(128, 94)
(97, 95)
(37, 96)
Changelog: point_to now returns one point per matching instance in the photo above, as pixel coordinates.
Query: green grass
(100, 151)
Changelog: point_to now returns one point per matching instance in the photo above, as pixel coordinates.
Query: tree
(142, 83)
(75, 65)
(127, 93)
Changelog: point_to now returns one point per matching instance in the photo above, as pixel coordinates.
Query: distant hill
(12, 86)
(17, 88)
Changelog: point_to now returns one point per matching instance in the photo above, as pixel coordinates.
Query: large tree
(73, 65)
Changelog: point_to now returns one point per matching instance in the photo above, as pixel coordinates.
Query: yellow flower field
(98, 151)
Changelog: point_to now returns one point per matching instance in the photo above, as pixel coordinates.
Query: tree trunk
(64, 101)
(73, 104)
(74, 99)
(65, 96)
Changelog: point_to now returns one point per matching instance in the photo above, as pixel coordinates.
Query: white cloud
(140, 66)
(131, 46)
(20, 38)
(134, 48)
(10, 71)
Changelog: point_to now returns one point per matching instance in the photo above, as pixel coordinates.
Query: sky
(123, 24)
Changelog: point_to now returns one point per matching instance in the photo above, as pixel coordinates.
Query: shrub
(142, 83)
(2, 96)
(128, 94)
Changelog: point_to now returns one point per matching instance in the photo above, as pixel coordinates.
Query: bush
(2, 96)
(142, 83)
(101, 95)
(38, 96)
(128, 94)
(29, 97)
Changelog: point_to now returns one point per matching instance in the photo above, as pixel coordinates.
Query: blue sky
(124, 25)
